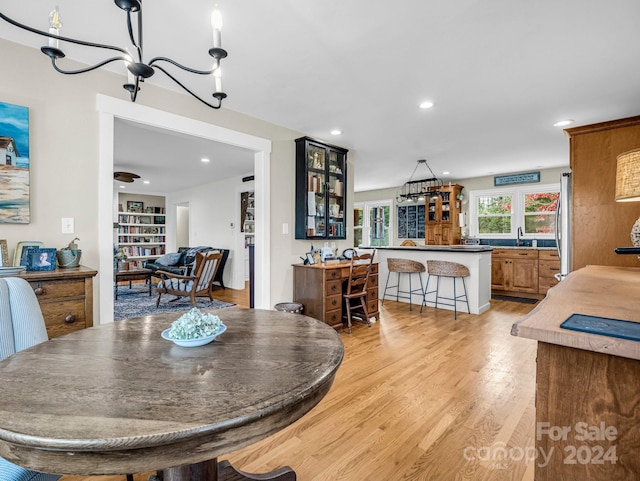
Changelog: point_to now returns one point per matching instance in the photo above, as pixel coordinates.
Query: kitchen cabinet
(514, 270)
(442, 224)
(65, 297)
(599, 224)
(548, 267)
(321, 177)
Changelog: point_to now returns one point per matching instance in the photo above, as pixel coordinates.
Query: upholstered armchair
(198, 284)
(21, 326)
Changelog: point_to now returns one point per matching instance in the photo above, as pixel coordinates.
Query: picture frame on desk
(17, 257)
(39, 259)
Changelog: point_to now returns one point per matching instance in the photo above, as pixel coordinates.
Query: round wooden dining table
(118, 398)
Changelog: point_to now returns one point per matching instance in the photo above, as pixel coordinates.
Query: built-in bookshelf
(142, 235)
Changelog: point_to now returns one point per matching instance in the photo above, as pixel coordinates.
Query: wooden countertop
(604, 291)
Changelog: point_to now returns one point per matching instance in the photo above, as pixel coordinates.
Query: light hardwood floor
(418, 397)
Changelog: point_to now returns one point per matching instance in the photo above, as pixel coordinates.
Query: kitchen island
(587, 397)
(477, 258)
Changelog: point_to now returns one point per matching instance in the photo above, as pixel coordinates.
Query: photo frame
(4, 253)
(39, 259)
(17, 256)
(135, 206)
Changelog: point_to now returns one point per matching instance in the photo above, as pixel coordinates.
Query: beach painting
(14, 164)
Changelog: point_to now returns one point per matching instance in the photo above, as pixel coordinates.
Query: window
(499, 213)
(372, 224)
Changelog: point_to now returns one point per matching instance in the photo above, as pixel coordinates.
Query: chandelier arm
(132, 37)
(173, 62)
(88, 69)
(59, 37)
(189, 91)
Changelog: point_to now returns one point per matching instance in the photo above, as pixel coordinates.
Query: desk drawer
(373, 281)
(333, 302)
(334, 318)
(54, 290)
(333, 287)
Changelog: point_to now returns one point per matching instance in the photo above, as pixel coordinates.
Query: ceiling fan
(125, 176)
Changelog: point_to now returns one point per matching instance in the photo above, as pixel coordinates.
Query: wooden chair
(357, 283)
(198, 284)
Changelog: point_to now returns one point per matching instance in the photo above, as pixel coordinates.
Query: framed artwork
(4, 254)
(14, 164)
(39, 259)
(134, 206)
(17, 257)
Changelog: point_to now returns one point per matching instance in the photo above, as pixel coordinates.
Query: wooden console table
(319, 288)
(65, 297)
(587, 394)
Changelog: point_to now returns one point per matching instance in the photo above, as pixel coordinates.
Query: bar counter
(476, 257)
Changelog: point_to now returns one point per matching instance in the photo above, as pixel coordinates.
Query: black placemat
(603, 326)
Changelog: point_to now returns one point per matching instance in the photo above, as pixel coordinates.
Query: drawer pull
(334, 302)
(38, 291)
(70, 319)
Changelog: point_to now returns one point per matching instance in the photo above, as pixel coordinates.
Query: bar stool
(453, 270)
(404, 266)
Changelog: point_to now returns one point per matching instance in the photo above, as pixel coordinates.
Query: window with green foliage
(499, 213)
(494, 214)
(372, 224)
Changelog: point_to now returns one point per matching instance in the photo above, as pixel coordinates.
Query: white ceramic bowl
(194, 342)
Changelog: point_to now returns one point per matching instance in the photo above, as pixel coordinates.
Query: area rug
(523, 300)
(136, 302)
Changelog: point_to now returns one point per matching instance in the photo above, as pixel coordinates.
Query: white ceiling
(500, 72)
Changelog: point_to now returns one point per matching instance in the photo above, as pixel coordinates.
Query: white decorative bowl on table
(194, 328)
(194, 342)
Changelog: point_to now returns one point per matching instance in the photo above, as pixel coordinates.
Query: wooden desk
(65, 297)
(587, 382)
(141, 403)
(319, 289)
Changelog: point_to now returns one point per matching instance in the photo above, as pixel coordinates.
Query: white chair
(21, 326)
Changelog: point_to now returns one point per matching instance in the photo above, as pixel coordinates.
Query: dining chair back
(356, 290)
(21, 326)
(198, 284)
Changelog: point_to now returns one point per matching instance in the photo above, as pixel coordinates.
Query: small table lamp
(628, 188)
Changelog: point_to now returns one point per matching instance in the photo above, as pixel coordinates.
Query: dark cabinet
(321, 174)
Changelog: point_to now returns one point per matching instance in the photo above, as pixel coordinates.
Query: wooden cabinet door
(499, 274)
(524, 275)
(433, 234)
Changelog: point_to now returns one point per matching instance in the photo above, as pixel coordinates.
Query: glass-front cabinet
(321, 173)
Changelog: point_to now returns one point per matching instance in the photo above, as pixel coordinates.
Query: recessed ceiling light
(562, 123)
(336, 132)
(146, 181)
(446, 173)
(122, 186)
(204, 159)
(427, 104)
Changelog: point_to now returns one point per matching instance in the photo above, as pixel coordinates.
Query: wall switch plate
(67, 225)
(285, 228)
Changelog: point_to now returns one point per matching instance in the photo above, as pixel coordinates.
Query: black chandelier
(137, 71)
(417, 190)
